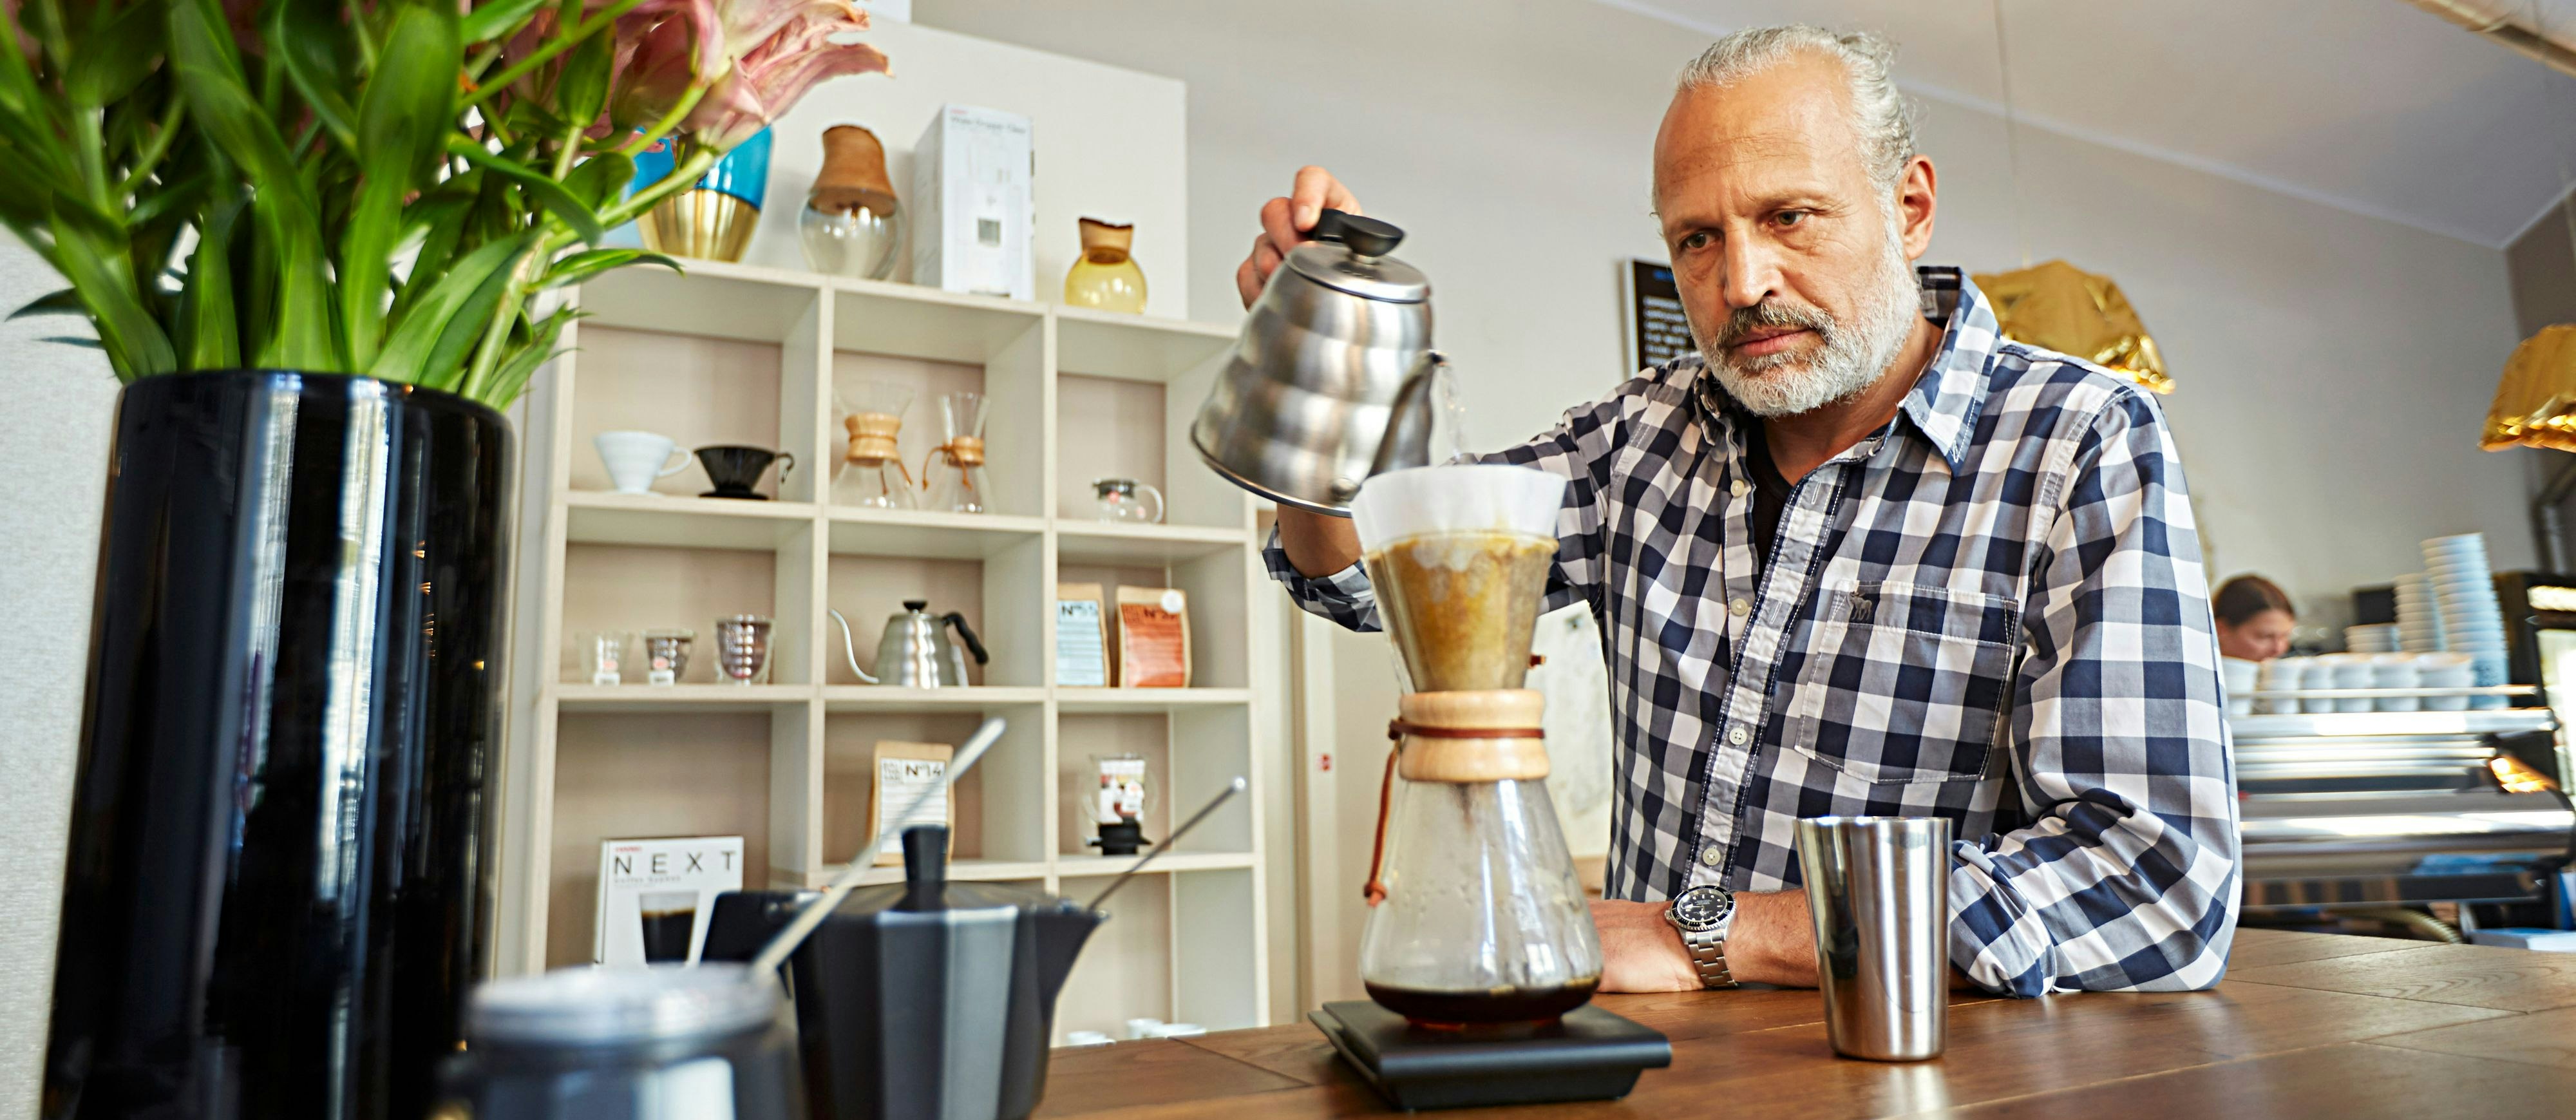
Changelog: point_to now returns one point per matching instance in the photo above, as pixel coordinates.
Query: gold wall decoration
(2060, 307)
(2535, 403)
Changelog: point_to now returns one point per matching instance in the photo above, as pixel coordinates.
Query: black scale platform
(1589, 1055)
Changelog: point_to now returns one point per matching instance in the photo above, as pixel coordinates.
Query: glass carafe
(872, 473)
(1479, 917)
(1105, 276)
(953, 476)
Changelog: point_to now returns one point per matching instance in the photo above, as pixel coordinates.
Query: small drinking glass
(666, 655)
(742, 648)
(603, 652)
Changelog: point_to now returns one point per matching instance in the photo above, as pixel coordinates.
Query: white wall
(53, 470)
(2333, 368)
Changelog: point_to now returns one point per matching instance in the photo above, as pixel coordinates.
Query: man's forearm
(1317, 544)
(1771, 940)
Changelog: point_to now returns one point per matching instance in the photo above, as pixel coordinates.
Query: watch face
(1703, 908)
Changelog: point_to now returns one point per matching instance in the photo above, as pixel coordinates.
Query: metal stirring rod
(1231, 788)
(807, 919)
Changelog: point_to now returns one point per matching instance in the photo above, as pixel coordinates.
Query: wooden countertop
(2304, 1025)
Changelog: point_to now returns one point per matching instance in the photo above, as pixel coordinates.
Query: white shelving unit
(735, 354)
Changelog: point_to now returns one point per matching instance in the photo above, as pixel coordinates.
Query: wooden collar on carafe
(872, 436)
(1487, 735)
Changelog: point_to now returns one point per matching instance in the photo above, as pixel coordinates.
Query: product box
(1081, 636)
(655, 897)
(973, 206)
(898, 774)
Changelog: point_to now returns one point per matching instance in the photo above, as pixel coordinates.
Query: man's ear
(1914, 206)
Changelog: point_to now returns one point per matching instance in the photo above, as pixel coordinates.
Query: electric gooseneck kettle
(1331, 380)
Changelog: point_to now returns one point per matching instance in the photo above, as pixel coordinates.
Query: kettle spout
(1061, 933)
(1407, 442)
(850, 649)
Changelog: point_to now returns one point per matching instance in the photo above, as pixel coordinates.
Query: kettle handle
(1407, 442)
(848, 648)
(974, 645)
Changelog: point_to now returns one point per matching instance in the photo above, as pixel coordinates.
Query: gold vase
(1105, 276)
(702, 223)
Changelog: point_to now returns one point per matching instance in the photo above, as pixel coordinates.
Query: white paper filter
(1462, 498)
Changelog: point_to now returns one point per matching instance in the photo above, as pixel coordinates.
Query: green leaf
(312, 41)
(580, 266)
(493, 20)
(512, 376)
(208, 323)
(75, 340)
(93, 257)
(597, 181)
(547, 192)
(219, 99)
(114, 57)
(64, 302)
(402, 121)
(430, 345)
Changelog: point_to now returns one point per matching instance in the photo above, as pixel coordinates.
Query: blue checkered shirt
(1992, 610)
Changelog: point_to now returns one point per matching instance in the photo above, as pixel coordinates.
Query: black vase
(278, 888)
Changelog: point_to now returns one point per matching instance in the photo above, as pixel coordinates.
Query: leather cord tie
(1396, 730)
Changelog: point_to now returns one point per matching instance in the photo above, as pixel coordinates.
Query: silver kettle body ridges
(1329, 381)
(914, 651)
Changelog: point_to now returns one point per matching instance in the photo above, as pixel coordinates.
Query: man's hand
(1769, 942)
(1284, 222)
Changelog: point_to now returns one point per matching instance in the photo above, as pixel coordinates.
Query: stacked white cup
(2472, 620)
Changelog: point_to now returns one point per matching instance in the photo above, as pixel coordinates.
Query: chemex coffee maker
(1479, 953)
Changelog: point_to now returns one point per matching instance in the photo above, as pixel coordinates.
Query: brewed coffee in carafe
(1476, 916)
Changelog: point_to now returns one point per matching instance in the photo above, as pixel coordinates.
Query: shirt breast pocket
(1906, 683)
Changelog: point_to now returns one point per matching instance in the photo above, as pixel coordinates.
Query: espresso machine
(1479, 955)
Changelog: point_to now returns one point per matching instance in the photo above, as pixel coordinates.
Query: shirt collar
(1951, 390)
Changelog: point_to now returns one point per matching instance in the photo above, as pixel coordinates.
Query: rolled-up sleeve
(1343, 596)
(2126, 879)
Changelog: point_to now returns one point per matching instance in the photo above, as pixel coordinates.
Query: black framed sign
(1657, 330)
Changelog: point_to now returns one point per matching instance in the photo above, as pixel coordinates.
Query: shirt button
(1737, 735)
(1738, 487)
(1710, 855)
(1739, 608)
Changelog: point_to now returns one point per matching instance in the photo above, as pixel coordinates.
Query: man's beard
(1852, 357)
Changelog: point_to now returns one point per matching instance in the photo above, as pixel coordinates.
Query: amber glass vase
(1106, 277)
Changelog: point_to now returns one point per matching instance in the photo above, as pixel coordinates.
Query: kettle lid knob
(925, 859)
(916, 606)
(1367, 237)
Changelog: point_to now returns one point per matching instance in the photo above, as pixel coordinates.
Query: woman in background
(2254, 618)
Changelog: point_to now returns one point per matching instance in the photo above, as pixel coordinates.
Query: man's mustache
(1771, 315)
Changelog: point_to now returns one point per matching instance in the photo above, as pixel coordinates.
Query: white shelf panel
(858, 531)
(846, 698)
(603, 517)
(624, 698)
(1105, 701)
(1103, 542)
(712, 298)
(965, 870)
(879, 317)
(1088, 865)
(1133, 347)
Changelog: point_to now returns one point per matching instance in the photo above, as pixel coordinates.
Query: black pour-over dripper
(735, 469)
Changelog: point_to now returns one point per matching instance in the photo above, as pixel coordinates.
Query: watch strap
(1708, 958)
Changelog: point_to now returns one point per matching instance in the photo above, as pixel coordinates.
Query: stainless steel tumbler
(1878, 889)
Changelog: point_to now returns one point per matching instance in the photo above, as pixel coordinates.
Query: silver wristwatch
(1702, 915)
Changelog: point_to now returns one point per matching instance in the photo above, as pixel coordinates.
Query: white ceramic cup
(635, 459)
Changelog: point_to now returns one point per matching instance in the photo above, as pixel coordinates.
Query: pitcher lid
(1349, 254)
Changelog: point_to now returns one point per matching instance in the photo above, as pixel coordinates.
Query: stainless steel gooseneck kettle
(915, 651)
(1331, 379)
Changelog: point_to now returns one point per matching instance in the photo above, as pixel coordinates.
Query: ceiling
(2373, 106)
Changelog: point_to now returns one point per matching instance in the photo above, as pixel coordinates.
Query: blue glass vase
(714, 219)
